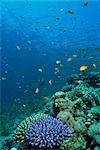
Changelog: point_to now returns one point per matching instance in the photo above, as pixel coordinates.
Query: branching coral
(48, 133)
(20, 133)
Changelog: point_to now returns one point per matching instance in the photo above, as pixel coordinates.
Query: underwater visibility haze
(50, 75)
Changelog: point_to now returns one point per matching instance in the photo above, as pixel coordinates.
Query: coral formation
(77, 142)
(75, 109)
(48, 133)
(94, 131)
(80, 109)
(20, 133)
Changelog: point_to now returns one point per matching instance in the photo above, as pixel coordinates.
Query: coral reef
(48, 133)
(80, 109)
(76, 108)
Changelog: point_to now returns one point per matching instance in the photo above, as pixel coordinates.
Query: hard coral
(48, 133)
(58, 94)
(94, 131)
(20, 133)
(77, 142)
(60, 103)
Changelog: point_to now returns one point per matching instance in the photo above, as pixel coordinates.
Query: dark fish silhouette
(69, 12)
(86, 4)
(42, 84)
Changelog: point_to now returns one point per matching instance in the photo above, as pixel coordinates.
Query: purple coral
(48, 133)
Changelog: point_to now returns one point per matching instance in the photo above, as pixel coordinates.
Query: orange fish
(78, 58)
(94, 65)
(37, 90)
(45, 98)
(69, 59)
(83, 68)
(79, 81)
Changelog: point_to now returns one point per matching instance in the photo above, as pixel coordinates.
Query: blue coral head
(48, 133)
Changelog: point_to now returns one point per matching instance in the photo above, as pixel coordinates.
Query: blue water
(45, 33)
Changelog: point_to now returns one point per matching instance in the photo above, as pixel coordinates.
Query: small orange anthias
(45, 98)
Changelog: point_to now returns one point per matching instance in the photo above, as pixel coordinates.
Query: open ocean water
(44, 43)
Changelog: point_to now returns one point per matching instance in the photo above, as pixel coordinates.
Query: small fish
(74, 55)
(93, 102)
(45, 98)
(61, 65)
(42, 83)
(97, 61)
(50, 82)
(37, 90)
(98, 84)
(3, 78)
(6, 71)
(40, 70)
(48, 27)
(97, 49)
(57, 18)
(20, 87)
(91, 57)
(56, 69)
(80, 81)
(69, 12)
(94, 65)
(29, 42)
(18, 47)
(58, 62)
(6, 65)
(25, 91)
(64, 30)
(85, 3)
(32, 70)
(56, 72)
(24, 105)
(78, 58)
(83, 68)
(69, 59)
